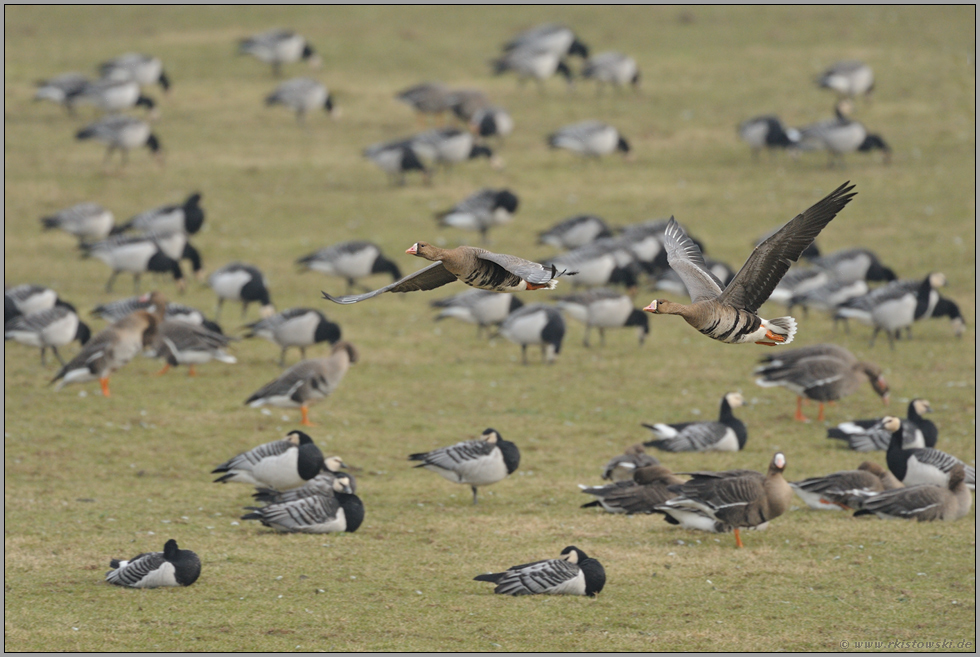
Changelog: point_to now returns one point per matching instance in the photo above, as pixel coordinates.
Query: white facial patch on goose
(780, 461)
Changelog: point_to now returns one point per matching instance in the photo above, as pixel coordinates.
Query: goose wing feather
(427, 278)
(531, 272)
(686, 259)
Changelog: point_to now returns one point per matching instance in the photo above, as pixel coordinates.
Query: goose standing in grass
(48, 329)
(854, 264)
(613, 68)
(116, 310)
(606, 261)
(481, 211)
(123, 133)
(603, 308)
(240, 282)
(114, 96)
(149, 570)
(622, 467)
(351, 261)
(821, 372)
(491, 121)
(448, 146)
(895, 306)
(766, 132)
(871, 435)
(62, 89)
(844, 490)
(180, 343)
(89, 222)
(574, 573)
(427, 98)
(532, 62)
(144, 69)
(186, 217)
(322, 484)
(922, 465)
(481, 307)
(341, 511)
(841, 135)
(280, 464)
(476, 267)
(552, 37)
(575, 232)
(296, 327)
(306, 382)
(465, 103)
(303, 95)
(729, 315)
(26, 299)
(590, 138)
(535, 324)
(728, 434)
(924, 502)
(479, 462)
(278, 47)
(647, 490)
(848, 78)
(396, 158)
(135, 255)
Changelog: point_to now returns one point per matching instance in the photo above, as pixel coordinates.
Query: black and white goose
(948, 308)
(854, 264)
(603, 308)
(871, 435)
(116, 310)
(491, 121)
(647, 490)
(575, 232)
(895, 306)
(144, 69)
(113, 96)
(613, 68)
(535, 324)
(481, 307)
(849, 78)
(841, 135)
(237, 281)
(186, 217)
(135, 255)
(149, 570)
(481, 211)
(278, 47)
(296, 327)
(62, 89)
(89, 222)
(846, 489)
(590, 138)
(448, 146)
(181, 343)
(341, 511)
(281, 464)
(728, 434)
(396, 158)
(122, 133)
(26, 299)
(322, 484)
(605, 261)
(923, 465)
(479, 462)
(552, 37)
(574, 573)
(532, 62)
(924, 502)
(427, 98)
(48, 329)
(766, 132)
(351, 261)
(303, 95)
(622, 467)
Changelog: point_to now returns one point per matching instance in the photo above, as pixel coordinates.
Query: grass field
(88, 478)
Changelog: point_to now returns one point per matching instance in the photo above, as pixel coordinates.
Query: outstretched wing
(532, 272)
(686, 259)
(428, 278)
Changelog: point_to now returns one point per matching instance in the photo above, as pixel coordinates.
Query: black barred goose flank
(647, 490)
(122, 133)
(181, 343)
(396, 158)
(27, 298)
(622, 467)
(48, 329)
(922, 465)
(351, 261)
(895, 306)
(766, 132)
(590, 138)
(871, 435)
(479, 462)
(845, 490)
(728, 434)
(849, 78)
(280, 465)
(322, 484)
(924, 502)
(144, 69)
(278, 47)
(340, 511)
(532, 62)
(575, 232)
(481, 211)
(536, 324)
(149, 570)
(574, 573)
(296, 327)
(89, 222)
(136, 255)
(240, 282)
(481, 307)
(113, 96)
(186, 217)
(603, 308)
(303, 95)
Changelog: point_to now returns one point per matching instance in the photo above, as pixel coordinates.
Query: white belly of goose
(228, 285)
(60, 332)
(895, 313)
(350, 265)
(296, 332)
(481, 471)
(593, 272)
(609, 313)
(844, 139)
(132, 135)
(132, 257)
(277, 472)
(526, 329)
(164, 575)
(814, 500)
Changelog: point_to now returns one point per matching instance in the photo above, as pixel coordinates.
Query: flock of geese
(300, 490)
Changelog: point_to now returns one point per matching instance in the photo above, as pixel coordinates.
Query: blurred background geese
(341, 511)
(647, 490)
(491, 122)
(113, 96)
(237, 281)
(766, 132)
(432, 98)
(172, 567)
(481, 307)
(62, 89)
(351, 261)
(574, 573)
(575, 232)
(535, 324)
(613, 68)
(590, 138)
(123, 133)
(186, 217)
(303, 95)
(144, 69)
(296, 327)
(479, 462)
(449, 146)
(280, 464)
(89, 222)
(841, 135)
(728, 434)
(481, 211)
(48, 329)
(622, 467)
(135, 255)
(552, 37)
(843, 490)
(924, 502)
(115, 310)
(532, 62)
(849, 78)
(278, 47)
(603, 308)
(396, 158)
(871, 435)
(180, 343)
(27, 298)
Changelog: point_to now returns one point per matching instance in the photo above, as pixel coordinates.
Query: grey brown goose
(871, 435)
(574, 573)
(729, 315)
(474, 266)
(842, 490)
(728, 434)
(821, 372)
(924, 502)
(180, 343)
(647, 490)
(427, 98)
(922, 465)
(622, 467)
(280, 464)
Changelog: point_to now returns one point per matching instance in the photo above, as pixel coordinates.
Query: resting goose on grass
(481, 211)
(766, 132)
(574, 573)
(123, 133)
(149, 570)
(322, 484)
(729, 315)
(535, 324)
(844, 490)
(728, 434)
(603, 308)
(481, 307)
(849, 78)
(871, 435)
(135, 254)
(341, 511)
(180, 343)
(590, 138)
(923, 465)
(303, 95)
(622, 467)
(89, 222)
(351, 261)
(280, 465)
(479, 462)
(144, 69)
(924, 502)
(48, 329)
(575, 232)
(647, 490)
(240, 282)
(278, 47)
(296, 327)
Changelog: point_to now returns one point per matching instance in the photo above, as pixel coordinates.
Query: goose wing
(771, 259)
(255, 456)
(450, 458)
(532, 272)
(685, 258)
(694, 437)
(920, 502)
(428, 278)
(133, 572)
(297, 515)
(541, 577)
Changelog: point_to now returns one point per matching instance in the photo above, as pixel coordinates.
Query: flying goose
(590, 138)
(552, 37)
(303, 95)
(481, 307)
(240, 282)
(186, 217)
(322, 484)
(351, 260)
(622, 467)
(612, 68)
(51, 328)
(62, 89)
(342, 511)
(113, 96)
(278, 47)
(728, 434)
(280, 464)
(744, 500)
(871, 435)
(535, 324)
(574, 573)
(647, 490)
(396, 158)
(149, 570)
(843, 490)
(848, 78)
(123, 133)
(532, 62)
(296, 327)
(729, 315)
(575, 232)
(766, 132)
(135, 255)
(478, 462)
(923, 465)
(476, 267)
(427, 98)
(180, 343)
(603, 308)
(481, 211)
(841, 135)
(306, 382)
(144, 69)
(26, 299)
(821, 372)
(89, 222)
(924, 502)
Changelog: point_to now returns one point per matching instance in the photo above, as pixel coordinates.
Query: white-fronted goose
(669, 281)
(575, 232)
(871, 435)
(622, 467)
(306, 382)
(481, 307)
(841, 135)
(612, 68)
(427, 98)
(923, 465)
(843, 490)
(728, 434)
(62, 89)
(278, 47)
(89, 222)
(26, 299)
(646, 491)
(729, 315)
(341, 511)
(351, 260)
(281, 464)
(589, 138)
(532, 62)
(396, 158)
(923, 502)
(240, 282)
(574, 573)
(481, 211)
(322, 484)
(149, 570)
(123, 133)
(476, 267)
(535, 324)
(186, 217)
(296, 327)
(821, 372)
(766, 132)
(113, 96)
(552, 37)
(180, 343)
(48, 329)
(302, 95)
(849, 78)
(135, 255)
(603, 308)
(145, 69)
(479, 462)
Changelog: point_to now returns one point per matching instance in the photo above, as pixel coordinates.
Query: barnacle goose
(479, 462)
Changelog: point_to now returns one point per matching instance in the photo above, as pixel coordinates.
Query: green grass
(89, 478)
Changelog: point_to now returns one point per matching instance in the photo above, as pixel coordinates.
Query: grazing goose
(27, 299)
(856, 264)
(89, 222)
(871, 435)
(729, 315)
(924, 502)
(604, 308)
(278, 47)
(821, 372)
(828, 296)
(922, 465)
(476, 267)
(478, 462)
(240, 282)
(396, 158)
(532, 62)
(622, 467)
(448, 146)
(135, 255)
(606, 261)
(351, 261)
(51, 328)
(113, 96)
(746, 499)
(612, 68)
(322, 484)
(766, 132)
(574, 573)
(841, 135)
(62, 89)
(149, 570)
(590, 138)
(491, 122)
(535, 324)
(123, 133)
(895, 306)
(296, 327)
(575, 232)
(465, 103)
(341, 511)
(481, 307)
(186, 217)
(144, 69)
(116, 310)
(844, 490)
(647, 490)
(302, 95)
(481, 211)
(427, 98)
(306, 382)
(728, 434)
(551, 37)
(848, 78)
(180, 343)
(948, 308)
(281, 464)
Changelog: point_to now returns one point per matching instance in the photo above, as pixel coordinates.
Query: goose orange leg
(820, 414)
(191, 372)
(799, 410)
(104, 382)
(738, 539)
(306, 418)
(164, 369)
